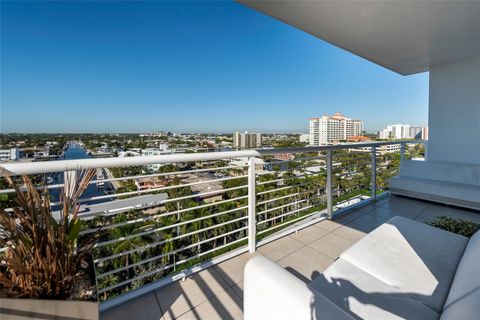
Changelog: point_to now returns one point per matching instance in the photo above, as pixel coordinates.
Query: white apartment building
(245, 139)
(403, 131)
(419, 133)
(326, 129)
(9, 154)
(395, 132)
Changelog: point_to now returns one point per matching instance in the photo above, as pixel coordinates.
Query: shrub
(43, 257)
(461, 227)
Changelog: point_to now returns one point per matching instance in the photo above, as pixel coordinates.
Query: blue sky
(184, 66)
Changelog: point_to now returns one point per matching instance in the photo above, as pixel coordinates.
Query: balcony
(217, 292)
(173, 244)
(180, 244)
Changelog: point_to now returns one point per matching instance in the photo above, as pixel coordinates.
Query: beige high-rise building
(245, 140)
(325, 129)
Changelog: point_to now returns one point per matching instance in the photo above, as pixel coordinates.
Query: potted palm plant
(44, 264)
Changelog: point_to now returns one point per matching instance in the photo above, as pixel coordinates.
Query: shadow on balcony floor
(217, 293)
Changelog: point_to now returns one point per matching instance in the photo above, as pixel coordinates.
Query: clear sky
(184, 66)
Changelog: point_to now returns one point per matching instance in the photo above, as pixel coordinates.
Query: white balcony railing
(209, 207)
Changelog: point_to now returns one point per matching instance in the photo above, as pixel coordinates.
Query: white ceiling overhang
(404, 36)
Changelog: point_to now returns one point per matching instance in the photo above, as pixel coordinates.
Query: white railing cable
(289, 213)
(151, 190)
(281, 207)
(135, 235)
(161, 215)
(197, 195)
(144, 275)
(154, 244)
(286, 222)
(192, 245)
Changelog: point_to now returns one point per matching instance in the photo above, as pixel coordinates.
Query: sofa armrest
(271, 292)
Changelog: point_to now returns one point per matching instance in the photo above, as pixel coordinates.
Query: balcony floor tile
(226, 305)
(373, 219)
(309, 235)
(238, 288)
(231, 271)
(329, 225)
(145, 307)
(350, 232)
(331, 245)
(280, 248)
(306, 263)
(180, 297)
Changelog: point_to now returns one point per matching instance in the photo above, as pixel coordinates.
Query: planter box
(19, 309)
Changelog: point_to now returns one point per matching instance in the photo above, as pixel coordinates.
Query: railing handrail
(71, 165)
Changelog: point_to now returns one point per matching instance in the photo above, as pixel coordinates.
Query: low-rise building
(283, 156)
(243, 162)
(155, 152)
(209, 190)
(391, 148)
(359, 139)
(148, 183)
(11, 154)
(304, 138)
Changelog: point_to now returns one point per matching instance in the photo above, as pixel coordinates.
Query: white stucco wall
(454, 112)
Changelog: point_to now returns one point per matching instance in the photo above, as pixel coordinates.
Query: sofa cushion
(466, 308)
(366, 297)
(413, 257)
(442, 171)
(462, 194)
(271, 292)
(467, 277)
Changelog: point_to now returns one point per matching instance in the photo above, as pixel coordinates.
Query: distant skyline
(184, 67)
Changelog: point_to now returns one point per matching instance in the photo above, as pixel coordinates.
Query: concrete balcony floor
(217, 292)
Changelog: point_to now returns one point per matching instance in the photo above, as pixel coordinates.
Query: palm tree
(167, 248)
(197, 225)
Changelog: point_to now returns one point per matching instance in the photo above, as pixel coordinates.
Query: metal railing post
(252, 224)
(329, 185)
(374, 173)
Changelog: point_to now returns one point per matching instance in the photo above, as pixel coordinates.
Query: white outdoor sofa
(451, 183)
(401, 270)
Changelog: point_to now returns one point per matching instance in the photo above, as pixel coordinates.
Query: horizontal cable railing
(151, 226)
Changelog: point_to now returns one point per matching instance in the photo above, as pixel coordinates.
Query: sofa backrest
(467, 276)
(442, 171)
(466, 308)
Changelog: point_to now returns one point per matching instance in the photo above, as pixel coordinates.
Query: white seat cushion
(271, 292)
(467, 278)
(364, 296)
(417, 259)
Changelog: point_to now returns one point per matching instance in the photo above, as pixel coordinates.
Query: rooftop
(217, 292)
